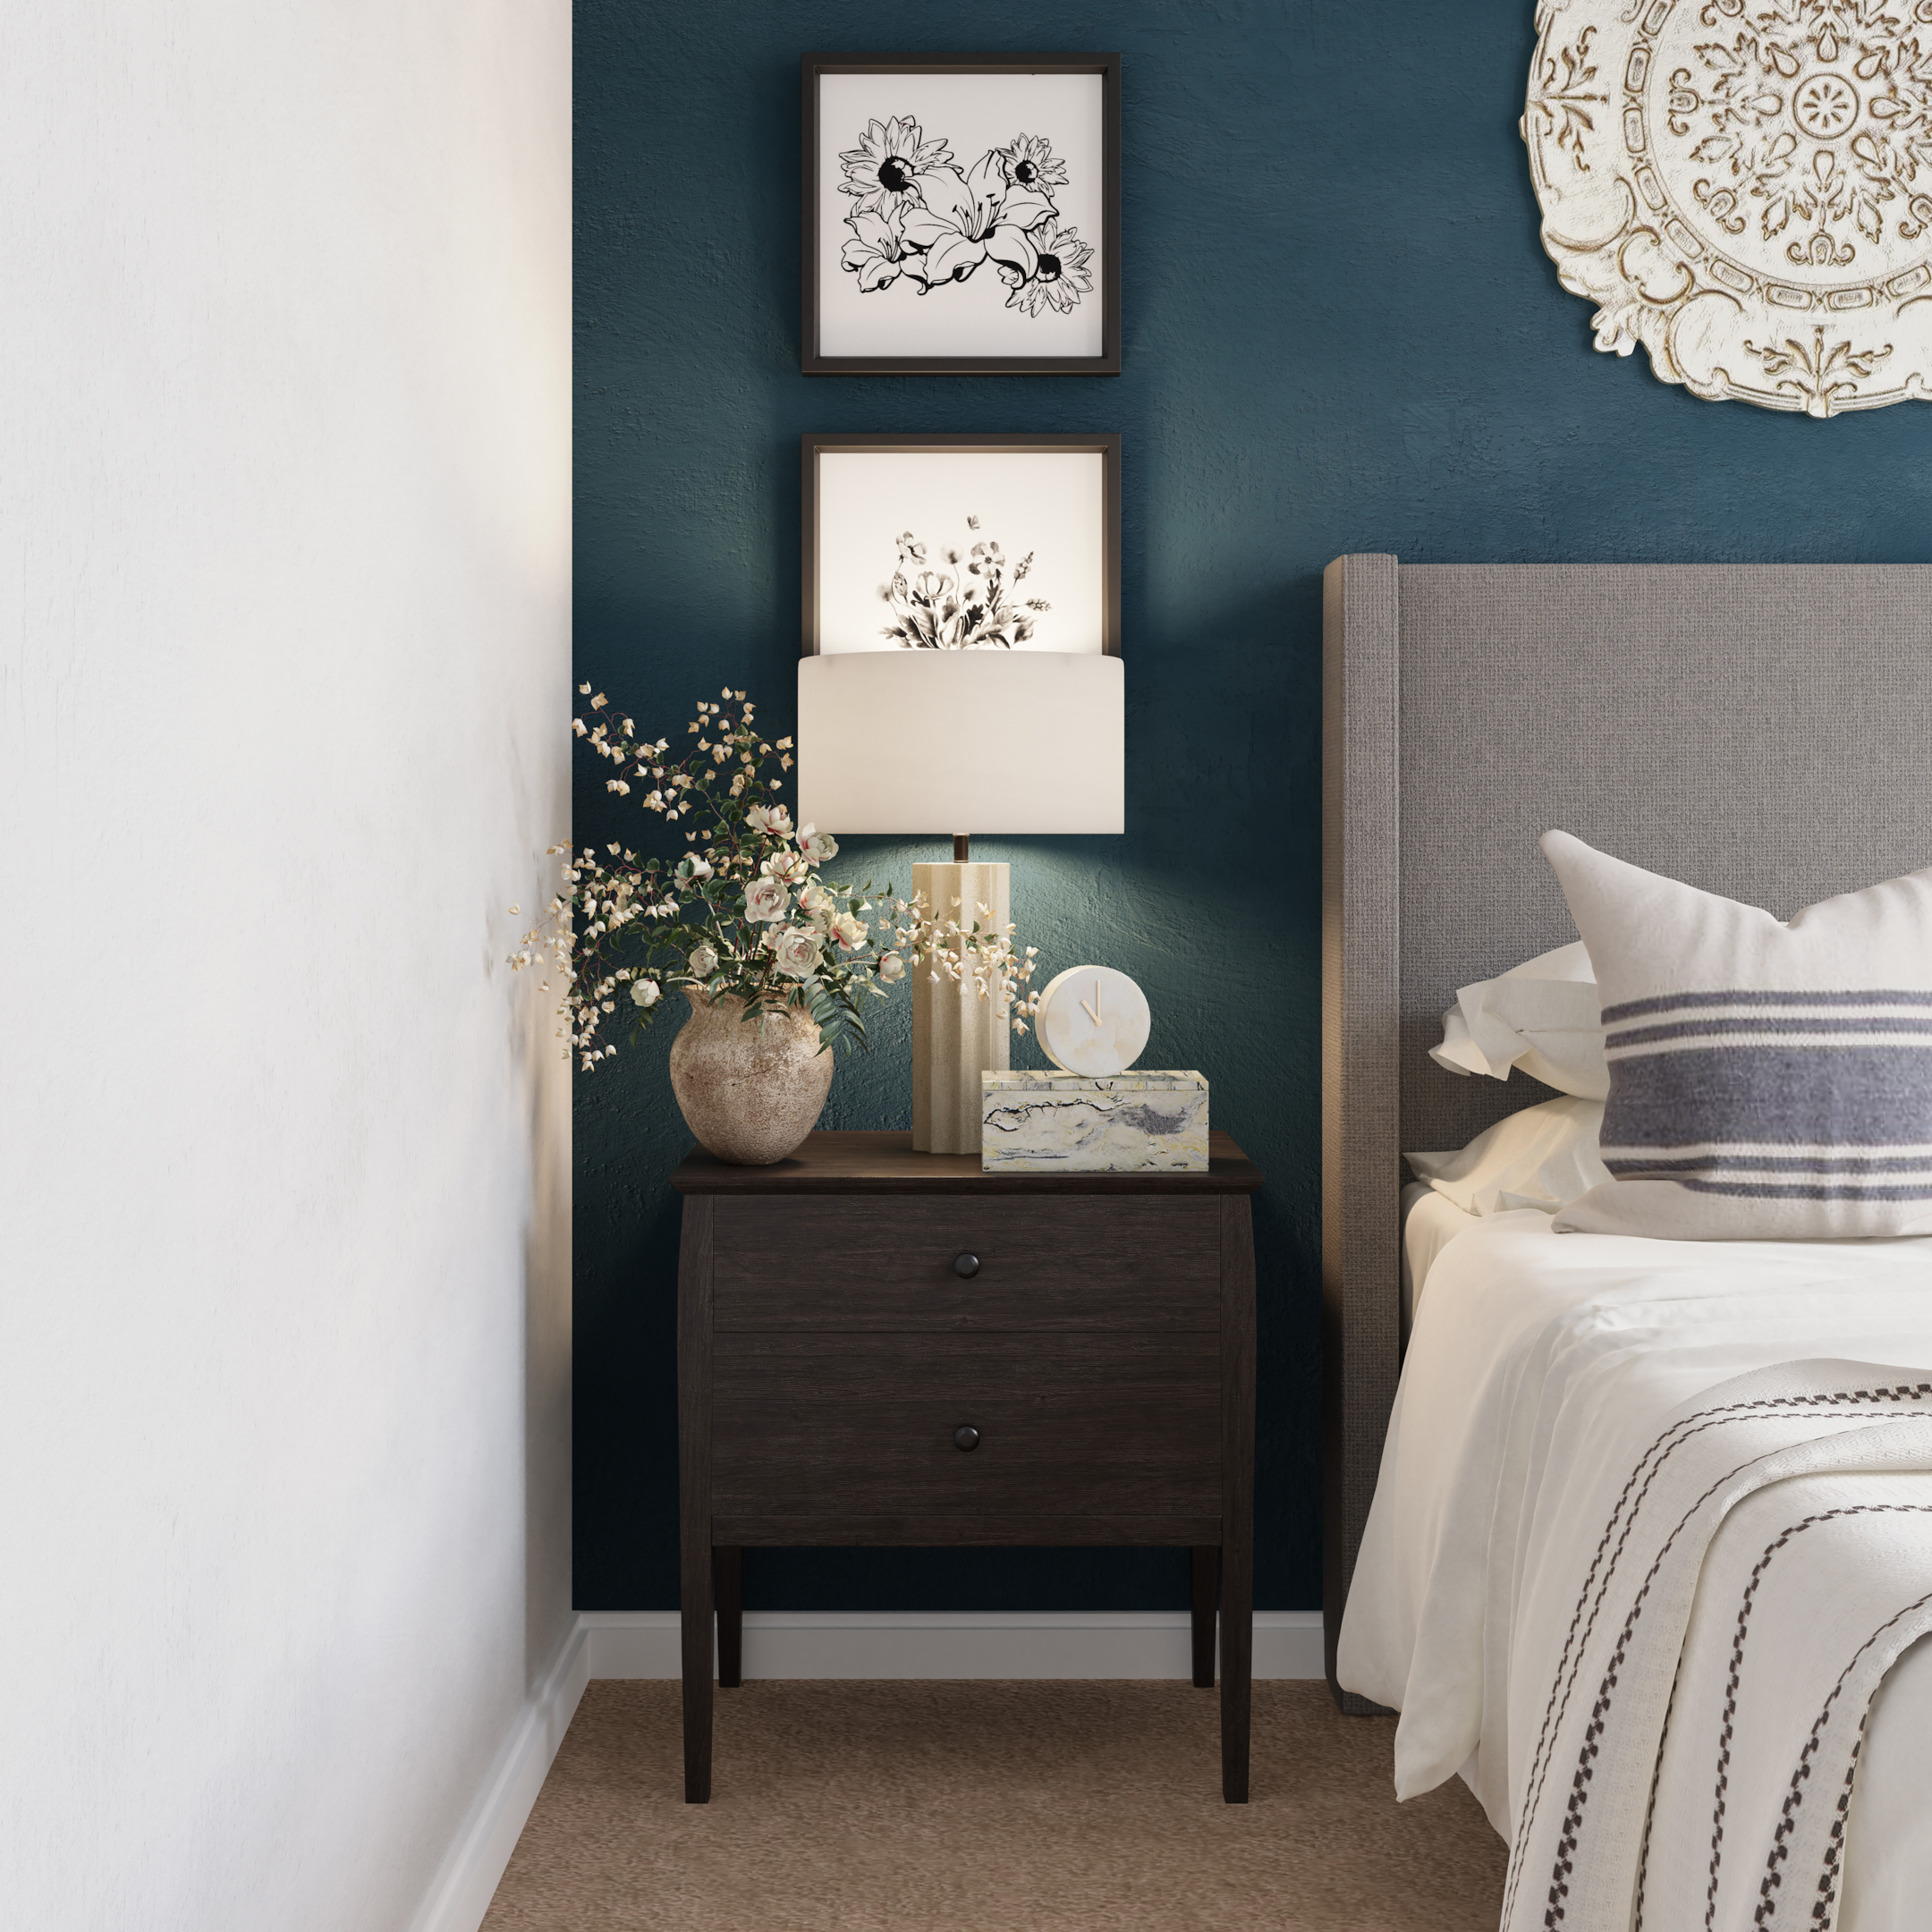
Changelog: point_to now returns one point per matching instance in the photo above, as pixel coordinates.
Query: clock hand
(1092, 1013)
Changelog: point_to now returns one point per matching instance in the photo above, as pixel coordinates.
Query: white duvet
(1648, 1563)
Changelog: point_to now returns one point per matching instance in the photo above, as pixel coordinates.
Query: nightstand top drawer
(948, 1263)
(886, 1164)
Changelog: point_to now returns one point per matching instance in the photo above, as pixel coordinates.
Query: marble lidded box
(1140, 1121)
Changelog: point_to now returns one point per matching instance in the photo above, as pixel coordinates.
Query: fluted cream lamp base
(956, 1035)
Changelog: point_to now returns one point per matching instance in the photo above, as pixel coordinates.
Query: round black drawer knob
(965, 1265)
(965, 1439)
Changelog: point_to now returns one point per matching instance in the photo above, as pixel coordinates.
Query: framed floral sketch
(961, 215)
(961, 543)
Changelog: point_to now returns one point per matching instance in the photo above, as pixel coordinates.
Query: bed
(1757, 732)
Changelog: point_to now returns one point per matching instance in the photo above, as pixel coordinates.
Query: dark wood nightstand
(879, 1347)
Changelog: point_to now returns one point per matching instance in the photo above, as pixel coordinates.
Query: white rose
(848, 931)
(816, 901)
(892, 968)
(786, 865)
(817, 846)
(774, 820)
(644, 992)
(765, 899)
(703, 962)
(796, 953)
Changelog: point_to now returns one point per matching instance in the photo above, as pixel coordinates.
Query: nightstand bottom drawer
(1067, 1426)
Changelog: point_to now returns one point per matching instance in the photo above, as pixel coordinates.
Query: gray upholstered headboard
(1761, 730)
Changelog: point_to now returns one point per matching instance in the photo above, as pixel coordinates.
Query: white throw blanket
(1638, 1561)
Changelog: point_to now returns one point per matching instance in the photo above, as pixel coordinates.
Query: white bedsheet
(1430, 1221)
(1540, 1369)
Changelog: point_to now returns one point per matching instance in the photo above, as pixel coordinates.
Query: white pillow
(1767, 1081)
(1543, 1157)
(1540, 1016)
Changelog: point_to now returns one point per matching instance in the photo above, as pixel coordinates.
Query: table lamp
(959, 741)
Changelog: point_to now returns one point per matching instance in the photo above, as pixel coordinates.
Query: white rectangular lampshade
(949, 741)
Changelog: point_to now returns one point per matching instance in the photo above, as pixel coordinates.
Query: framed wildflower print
(961, 215)
(961, 543)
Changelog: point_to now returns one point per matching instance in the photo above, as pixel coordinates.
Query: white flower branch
(745, 915)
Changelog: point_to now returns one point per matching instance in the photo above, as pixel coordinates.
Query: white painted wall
(285, 557)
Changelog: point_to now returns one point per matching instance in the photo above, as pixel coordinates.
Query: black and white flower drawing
(878, 253)
(1061, 274)
(963, 601)
(918, 214)
(890, 156)
(1030, 164)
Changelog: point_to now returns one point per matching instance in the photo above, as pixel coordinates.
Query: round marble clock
(1092, 1020)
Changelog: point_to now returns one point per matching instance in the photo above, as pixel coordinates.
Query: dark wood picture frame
(1109, 361)
(1105, 443)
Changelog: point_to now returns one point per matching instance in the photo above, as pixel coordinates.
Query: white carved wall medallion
(1745, 188)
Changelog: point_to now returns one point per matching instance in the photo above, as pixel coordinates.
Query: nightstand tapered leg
(1237, 1667)
(1237, 1498)
(727, 1569)
(694, 1491)
(1206, 1566)
(696, 1621)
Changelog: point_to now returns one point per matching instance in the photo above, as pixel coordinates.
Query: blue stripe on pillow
(1849, 1096)
(1637, 1166)
(1690, 1002)
(1778, 1023)
(1751, 1191)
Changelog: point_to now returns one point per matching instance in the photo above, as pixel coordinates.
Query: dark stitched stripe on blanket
(1650, 1817)
(1745, 1608)
(1694, 1424)
(1559, 1705)
(1824, 1912)
(1827, 1903)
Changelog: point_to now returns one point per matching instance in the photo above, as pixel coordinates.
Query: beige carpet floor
(898, 1806)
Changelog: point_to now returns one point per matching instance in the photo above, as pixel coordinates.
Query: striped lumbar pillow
(1767, 1081)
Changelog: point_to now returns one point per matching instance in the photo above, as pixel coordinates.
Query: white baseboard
(934, 1644)
(462, 1889)
(806, 1643)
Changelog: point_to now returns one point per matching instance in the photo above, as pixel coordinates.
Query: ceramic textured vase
(749, 1090)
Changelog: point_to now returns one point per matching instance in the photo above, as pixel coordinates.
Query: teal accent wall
(1340, 332)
